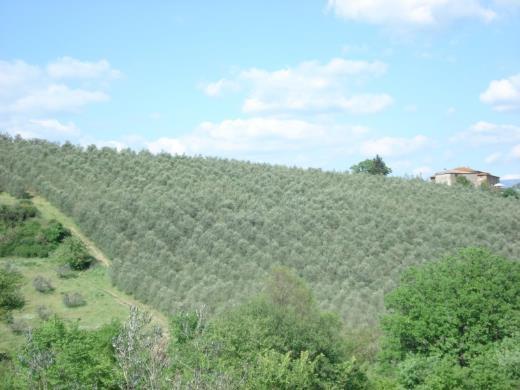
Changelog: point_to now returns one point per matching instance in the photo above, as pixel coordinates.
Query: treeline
(451, 324)
(186, 231)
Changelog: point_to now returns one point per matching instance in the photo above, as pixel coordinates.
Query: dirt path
(51, 212)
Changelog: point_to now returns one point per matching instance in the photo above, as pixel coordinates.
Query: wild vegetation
(451, 324)
(32, 289)
(185, 232)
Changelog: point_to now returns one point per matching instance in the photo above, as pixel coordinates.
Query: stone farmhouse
(477, 178)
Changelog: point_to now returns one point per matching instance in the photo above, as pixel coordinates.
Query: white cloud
(493, 158)
(504, 94)
(15, 75)
(515, 152)
(286, 141)
(70, 68)
(221, 86)
(167, 145)
(393, 146)
(486, 133)
(307, 87)
(411, 12)
(56, 126)
(47, 128)
(56, 98)
(31, 96)
(28, 89)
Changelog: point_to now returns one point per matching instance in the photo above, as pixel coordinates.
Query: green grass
(104, 302)
(93, 284)
(48, 211)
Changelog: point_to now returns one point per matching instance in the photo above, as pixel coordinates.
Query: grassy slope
(104, 302)
(48, 211)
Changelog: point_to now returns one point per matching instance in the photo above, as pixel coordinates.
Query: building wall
(472, 177)
(490, 180)
(477, 181)
(445, 179)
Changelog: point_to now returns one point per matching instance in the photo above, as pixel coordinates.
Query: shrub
(65, 272)
(463, 181)
(44, 312)
(74, 253)
(10, 296)
(42, 284)
(19, 326)
(511, 193)
(55, 232)
(74, 299)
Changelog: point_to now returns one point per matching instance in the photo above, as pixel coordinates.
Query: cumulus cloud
(485, 133)
(504, 94)
(32, 96)
(56, 98)
(71, 68)
(393, 146)
(166, 145)
(47, 128)
(308, 87)
(29, 89)
(221, 86)
(56, 126)
(493, 158)
(419, 13)
(287, 141)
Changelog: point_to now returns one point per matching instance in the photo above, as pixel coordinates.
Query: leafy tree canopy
(449, 318)
(74, 253)
(10, 296)
(375, 166)
(278, 340)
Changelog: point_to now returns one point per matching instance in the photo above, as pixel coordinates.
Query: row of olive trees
(186, 231)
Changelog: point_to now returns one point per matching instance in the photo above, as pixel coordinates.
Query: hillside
(184, 232)
(104, 303)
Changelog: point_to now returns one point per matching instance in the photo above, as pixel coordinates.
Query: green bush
(10, 295)
(58, 355)
(18, 326)
(42, 284)
(74, 253)
(65, 272)
(74, 299)
(44, 312)
(463, 181)
(24, 235)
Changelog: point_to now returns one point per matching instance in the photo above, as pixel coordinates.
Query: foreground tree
(10, 295)
(375, 166)
(278, 340)
(74, 253)
(451, 322)
(140, 352)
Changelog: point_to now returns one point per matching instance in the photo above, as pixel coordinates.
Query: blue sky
(427, 84)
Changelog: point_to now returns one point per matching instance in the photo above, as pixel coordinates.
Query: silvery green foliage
(140, 351)
(186, 231)
(36, 360)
